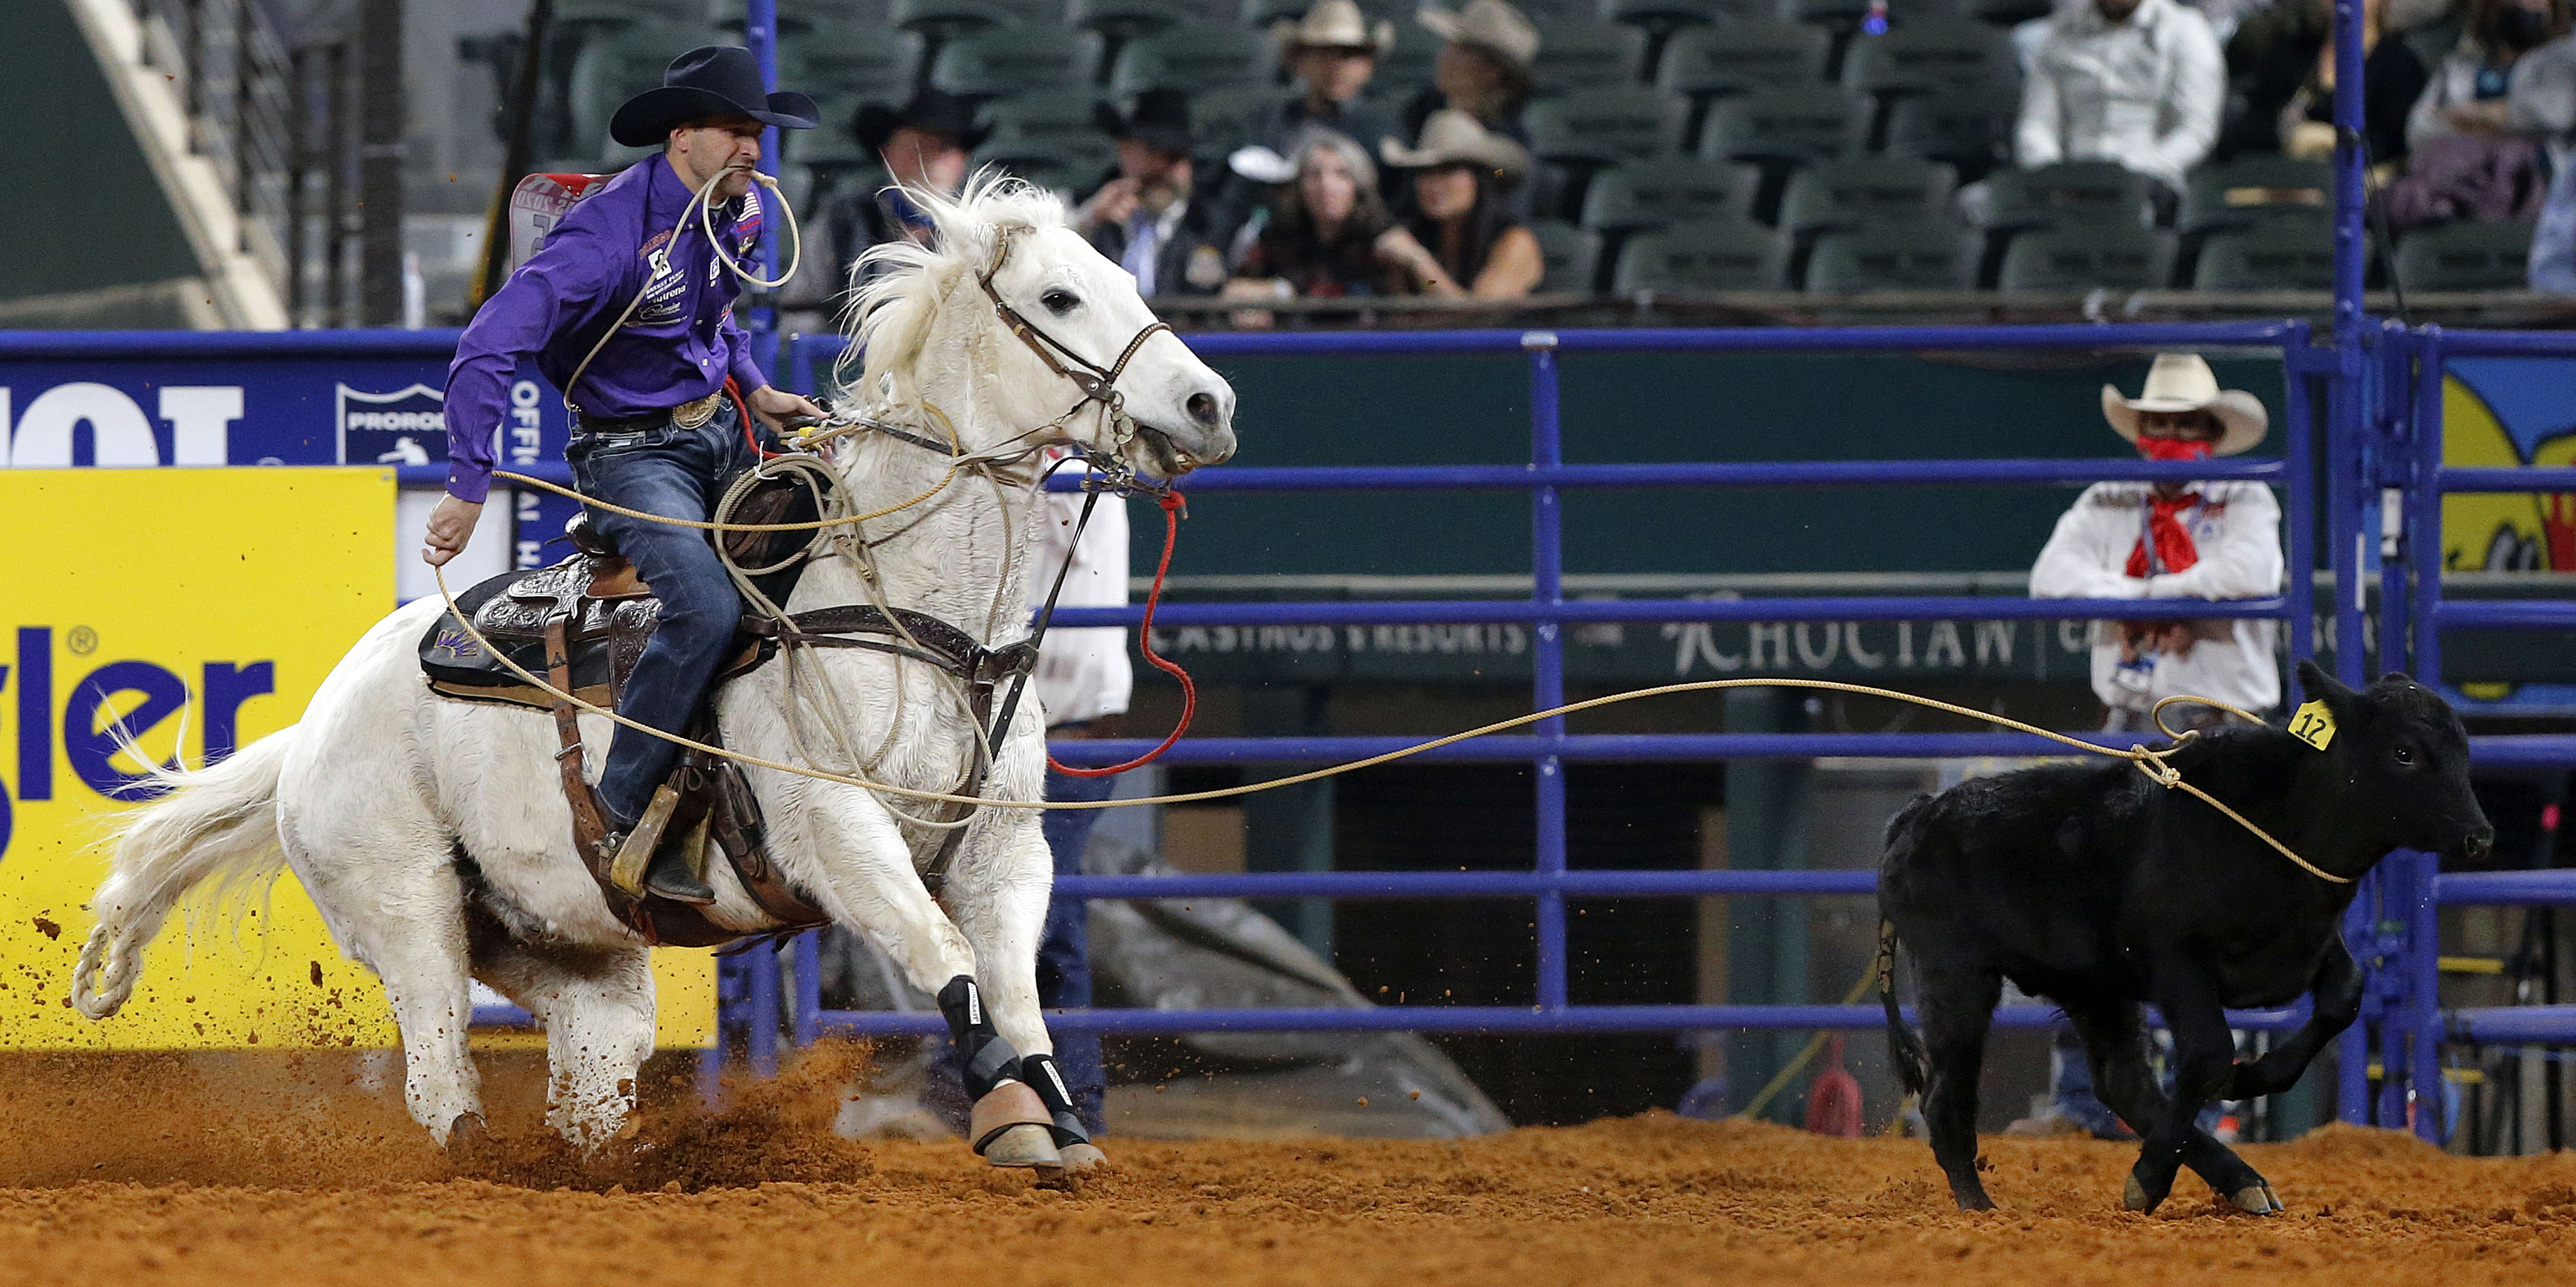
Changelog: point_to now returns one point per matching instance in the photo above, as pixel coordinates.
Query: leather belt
(687, 415)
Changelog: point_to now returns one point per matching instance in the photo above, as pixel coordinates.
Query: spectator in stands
(2165, 541)
(1484, 70)
(2471, 91)
(2139, 82)
(1463, 239)
(922, 145)
(1333, 51)
(2553, 241)
(1145, 218)
(2174, 541)
(1320, 236)
(2281, 75)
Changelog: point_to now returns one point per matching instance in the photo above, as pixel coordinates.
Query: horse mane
(903, 281)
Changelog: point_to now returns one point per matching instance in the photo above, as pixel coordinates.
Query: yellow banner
(202, 607)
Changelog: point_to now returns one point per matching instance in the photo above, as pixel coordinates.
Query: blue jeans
(1064, 969)
(678, 473)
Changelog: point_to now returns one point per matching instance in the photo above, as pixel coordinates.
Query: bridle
(1099, 384)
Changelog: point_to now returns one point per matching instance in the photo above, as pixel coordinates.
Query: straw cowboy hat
(711, 80)
(1333, 24)
(2183, 382)
(1487, 24)
(1452, 137)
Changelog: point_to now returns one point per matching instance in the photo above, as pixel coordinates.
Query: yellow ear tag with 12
(2313, 724)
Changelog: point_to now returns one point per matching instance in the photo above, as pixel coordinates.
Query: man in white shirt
(2175, 541)
(2140, 82)
(2165, 541)
(1082, 683)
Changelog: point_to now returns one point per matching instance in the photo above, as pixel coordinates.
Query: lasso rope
(2149, 762)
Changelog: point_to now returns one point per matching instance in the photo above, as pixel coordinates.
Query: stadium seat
(2075, 259)
(1406, 69)
(1196, 57)
(1967, 130)
(1588, 55)
(1572, 256)
(952, 16)
(1066, 171)
(1015, 60)
(2071, 192)
(2006, 13)
(1259, 14)
(613, 67)
(1601, 126)
(1661, 15)
(1800, 124)
(2250, 189)
(1226, 119)
(2461, 255)
(2277, 254)
(850, 60)
(1124, 17)
(1866, 191)
(1669, 190)
(1060, 119)
(1538, 11)
(1864, 260)
(1739, 57)
(1840, 15)
(1932, 55)
(830, 147)
(1703, 258)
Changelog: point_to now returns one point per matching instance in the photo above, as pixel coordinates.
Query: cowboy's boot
(645, 859)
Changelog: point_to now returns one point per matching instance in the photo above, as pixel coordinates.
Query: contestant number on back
(2313, 724)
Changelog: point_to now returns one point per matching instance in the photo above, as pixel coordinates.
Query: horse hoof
(468, 1138)
(1024, 1145)
(2134, 1198)
(1084, 1158)
(2257, 1199)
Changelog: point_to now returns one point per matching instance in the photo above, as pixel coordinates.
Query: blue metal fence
(755, 981)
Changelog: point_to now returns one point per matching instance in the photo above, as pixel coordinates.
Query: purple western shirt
(679, 345)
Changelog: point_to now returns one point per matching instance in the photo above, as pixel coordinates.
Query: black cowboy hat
(932, 110)
(711, 80)
(1160, 120)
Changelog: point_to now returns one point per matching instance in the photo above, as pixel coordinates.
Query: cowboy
(1333, 51)
(2178, 540)
(1144, 219)
(1485, 68)
(2174, 541)
(923, 146)
(628, 309)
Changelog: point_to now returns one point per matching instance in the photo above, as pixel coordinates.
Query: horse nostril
(1202, 408)
(2481, 843)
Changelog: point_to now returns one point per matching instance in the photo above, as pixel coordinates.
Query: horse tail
(219, 821)
(1905, 1046)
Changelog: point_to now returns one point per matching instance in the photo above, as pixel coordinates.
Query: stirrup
(636, 854)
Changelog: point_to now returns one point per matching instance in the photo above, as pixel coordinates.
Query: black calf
(2091, 886)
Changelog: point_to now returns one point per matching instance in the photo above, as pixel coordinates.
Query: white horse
(435, 838)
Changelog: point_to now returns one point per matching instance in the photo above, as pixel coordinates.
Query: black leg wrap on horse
(986, 1059)
(1042, 1075)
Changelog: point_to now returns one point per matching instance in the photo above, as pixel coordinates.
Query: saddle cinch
(582, 624)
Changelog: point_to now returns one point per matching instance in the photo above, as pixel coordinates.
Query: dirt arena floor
(286, 1172)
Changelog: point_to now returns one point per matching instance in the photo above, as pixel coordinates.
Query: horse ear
(2322, 687)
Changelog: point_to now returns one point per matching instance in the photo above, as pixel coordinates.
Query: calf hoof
(2135, 1198)
(1010, 1126)
(2257, 1199)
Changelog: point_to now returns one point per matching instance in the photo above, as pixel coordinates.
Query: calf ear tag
(2313, 724)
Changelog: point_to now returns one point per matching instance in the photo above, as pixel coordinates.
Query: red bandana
(2174, 550)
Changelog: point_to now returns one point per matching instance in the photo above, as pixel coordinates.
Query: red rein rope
(1172, 505)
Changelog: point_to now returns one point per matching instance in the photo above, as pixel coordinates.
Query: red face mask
(2174, 449)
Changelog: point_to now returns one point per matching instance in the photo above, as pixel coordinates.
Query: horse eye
(2405, 755)
(1059, 302)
